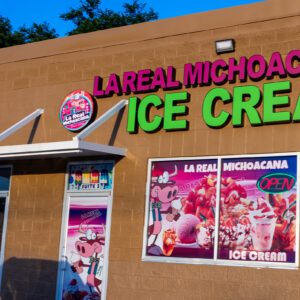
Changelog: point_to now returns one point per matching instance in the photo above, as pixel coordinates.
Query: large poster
(258, 209)
(85, 248)
(181, 206)
(223, 210)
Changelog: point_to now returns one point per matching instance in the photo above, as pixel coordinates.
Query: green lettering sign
(132, 114)
(172, 110)
(296, 115)
(245, 101)
(208, 107)
(144, 111)
(272, 101)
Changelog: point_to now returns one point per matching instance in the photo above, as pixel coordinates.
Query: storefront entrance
(85, 233)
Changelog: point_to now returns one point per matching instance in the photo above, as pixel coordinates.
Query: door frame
(4, 194)
(4, 231)
(64, 226)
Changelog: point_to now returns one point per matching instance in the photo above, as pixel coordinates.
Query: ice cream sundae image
(204, 235)
(263, 221)
(255, 221)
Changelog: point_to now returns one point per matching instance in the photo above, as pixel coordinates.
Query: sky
(26, 12)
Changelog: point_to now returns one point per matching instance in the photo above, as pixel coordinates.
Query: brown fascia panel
(245, 14)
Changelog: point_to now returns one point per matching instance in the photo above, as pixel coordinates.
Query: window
(4, 178)
(240, 210)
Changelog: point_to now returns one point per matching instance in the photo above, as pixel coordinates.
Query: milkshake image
(263, 222)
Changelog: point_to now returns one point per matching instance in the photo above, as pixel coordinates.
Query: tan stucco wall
(35, 208)
(42, 74)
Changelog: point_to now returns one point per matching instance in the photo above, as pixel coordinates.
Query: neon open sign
(276, 183)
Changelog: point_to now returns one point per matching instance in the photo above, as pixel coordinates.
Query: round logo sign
(77, 110)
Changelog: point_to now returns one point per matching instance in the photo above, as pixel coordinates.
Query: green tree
(91, 17)
(37, 32)
(34, 33)
(7, 36)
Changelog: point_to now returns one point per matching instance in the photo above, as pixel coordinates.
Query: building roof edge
(198, 22)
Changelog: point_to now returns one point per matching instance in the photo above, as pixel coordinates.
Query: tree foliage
(34, 33)
(91, 17)
(7, 36)
(37, 32)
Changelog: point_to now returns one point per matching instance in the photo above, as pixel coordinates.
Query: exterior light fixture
(225, 46)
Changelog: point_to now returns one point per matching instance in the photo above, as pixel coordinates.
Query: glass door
(85, 247)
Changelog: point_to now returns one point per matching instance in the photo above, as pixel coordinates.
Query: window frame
(216, 261)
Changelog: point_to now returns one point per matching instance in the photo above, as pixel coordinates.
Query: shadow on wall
(34, 279)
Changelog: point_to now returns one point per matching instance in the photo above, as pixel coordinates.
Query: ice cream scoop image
(186, 228)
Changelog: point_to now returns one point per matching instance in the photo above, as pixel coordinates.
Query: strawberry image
(189, 207)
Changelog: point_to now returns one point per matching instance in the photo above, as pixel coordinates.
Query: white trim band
(59, 149)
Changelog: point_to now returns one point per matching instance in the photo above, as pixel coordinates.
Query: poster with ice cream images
(181, 205)
(85, 249)
(258, 200)
(223, 210)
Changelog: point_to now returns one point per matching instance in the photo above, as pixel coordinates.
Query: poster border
(215, 261)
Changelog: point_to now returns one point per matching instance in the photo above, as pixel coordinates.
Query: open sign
(275, 183)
